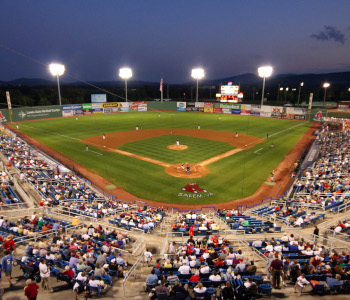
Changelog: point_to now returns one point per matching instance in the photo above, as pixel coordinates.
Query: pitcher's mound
(196, 171)
(176, 147)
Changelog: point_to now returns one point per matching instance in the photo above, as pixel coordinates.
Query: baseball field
(228, 158)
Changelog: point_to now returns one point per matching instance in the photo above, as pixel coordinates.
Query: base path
(282, 175)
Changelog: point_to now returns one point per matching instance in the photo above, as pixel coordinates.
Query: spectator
(148, 256)
(301, 282)
(200, 289)
(162, 289)
(45, 275)
(6, 263)
(276, 269)
(31, 290)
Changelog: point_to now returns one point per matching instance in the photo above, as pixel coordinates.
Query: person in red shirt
(195, 277)
(9, 243)
(218, 261)
(31, 290)
(191, 231)
(69, 272)
(215, 240)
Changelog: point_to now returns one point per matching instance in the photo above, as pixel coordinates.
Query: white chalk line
(51, 132)
(99, 154)
(286, 129)
(258, 150)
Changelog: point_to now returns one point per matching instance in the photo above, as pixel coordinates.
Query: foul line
(286, 129)
(99, 154)
(258, 150)
(51, 132)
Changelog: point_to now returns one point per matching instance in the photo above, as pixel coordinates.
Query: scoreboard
(230, 93)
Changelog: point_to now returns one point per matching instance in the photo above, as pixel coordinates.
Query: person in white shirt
(148, 256)
(200, 289)
(301, 282)
(184, 269)
(94, 282)
(338, 229)
(299, 221)
(247, 283)
(45, 275)
(215, 277)
(205, 269)
(257, 243)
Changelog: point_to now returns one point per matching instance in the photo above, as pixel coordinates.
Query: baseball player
(104, 136)
(87, 148)
(188, 169)
(137, 127)
(177, 142)
(272, 174)
(199, 126)
(159, 115)
(236, 134)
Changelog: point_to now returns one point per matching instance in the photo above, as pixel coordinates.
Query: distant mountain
(284, 80)
(29, 82)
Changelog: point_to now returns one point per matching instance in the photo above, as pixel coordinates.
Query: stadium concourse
(78, 242)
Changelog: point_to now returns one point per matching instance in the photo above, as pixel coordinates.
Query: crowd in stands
(194, 224)
(144, 218)
(89, 256)
(198, 266)
(302, 262)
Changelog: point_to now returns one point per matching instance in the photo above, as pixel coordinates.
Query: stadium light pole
(264, 72)
(125, 73)
(57, 70)
(197, 74)
(325, 85)
(301, 84)
(285, 94)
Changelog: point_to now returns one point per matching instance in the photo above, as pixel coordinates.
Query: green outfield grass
(156, 148)
(231, 178)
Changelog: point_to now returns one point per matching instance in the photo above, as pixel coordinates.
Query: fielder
(137, 127)
(104, 136)
(199, 126)
(177, 142)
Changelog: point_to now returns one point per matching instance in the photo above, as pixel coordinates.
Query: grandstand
(129, 250)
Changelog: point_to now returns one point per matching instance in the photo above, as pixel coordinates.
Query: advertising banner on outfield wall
(138, 106)
(230, 106)
(217, 110)
(181, 106)
(32, 113)
(255, 110)
(245, 109)
(97, 108)
(235, 111)
(87, 109)
(276, 112)
(290, 113)
(199, 104)
(300, 113)
(208, 107)
(110, 107)
(124, 107)
(72, 110)
(227, 111)
(191, 106)
(265, 111)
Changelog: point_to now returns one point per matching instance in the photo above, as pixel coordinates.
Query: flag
(161, 85)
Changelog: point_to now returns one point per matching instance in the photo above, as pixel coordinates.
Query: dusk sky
(94, 38)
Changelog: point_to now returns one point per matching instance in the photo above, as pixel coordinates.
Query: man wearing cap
(276, 270)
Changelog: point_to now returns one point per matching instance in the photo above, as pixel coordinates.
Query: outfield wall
(291, 113)
(71, 110)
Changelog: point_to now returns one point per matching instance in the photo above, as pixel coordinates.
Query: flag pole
(161, 89)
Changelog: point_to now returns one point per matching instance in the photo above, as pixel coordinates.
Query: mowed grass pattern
(231, 178)
(156, 148)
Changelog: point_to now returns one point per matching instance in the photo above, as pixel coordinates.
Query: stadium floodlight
(264, 72)
(300, 85)
(125, 73)
(197, 74)
(325, 85)
(57, 70)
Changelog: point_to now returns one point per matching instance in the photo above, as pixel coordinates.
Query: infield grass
(234, 177)
(156, 148)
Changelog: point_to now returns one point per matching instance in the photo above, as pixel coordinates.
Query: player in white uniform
(177, 142)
